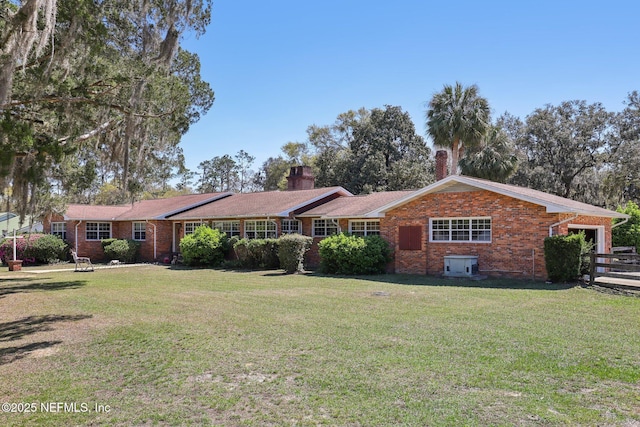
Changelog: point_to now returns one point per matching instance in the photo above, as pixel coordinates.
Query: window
(290, 226)
(260, 230)
(98, 230)
(461, 230)
(410, 238)
(325, 227)
(59, 229)
(190, 227)
(139, 231)
(230, 228)
(364, 228)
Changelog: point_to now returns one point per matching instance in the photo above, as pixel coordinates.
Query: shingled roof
(264, 204)
(356, 206)
(142, 210)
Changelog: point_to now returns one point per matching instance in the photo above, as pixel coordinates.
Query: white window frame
(100, 227)
(59, 229)
(230, 228)
(290, 226)
(322, 227)
(369, 227)
(454, 228)
(190, 227)
(139, 235)
(261, 229)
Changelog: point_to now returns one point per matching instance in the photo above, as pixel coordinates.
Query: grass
(162, 346)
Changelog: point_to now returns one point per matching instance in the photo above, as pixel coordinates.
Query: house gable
(551, 203)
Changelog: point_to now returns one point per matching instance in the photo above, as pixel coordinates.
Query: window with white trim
(290, 226)
(59, 229)
(260, 229)
(364, 228)
(460, 229)
(190, 227)
(230, 228)
(98, 230)
(139, 231)
(325, 227)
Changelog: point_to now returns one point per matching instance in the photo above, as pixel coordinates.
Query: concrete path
(72, 268)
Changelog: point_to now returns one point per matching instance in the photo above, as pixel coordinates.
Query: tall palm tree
(494, 159)
(457, 117)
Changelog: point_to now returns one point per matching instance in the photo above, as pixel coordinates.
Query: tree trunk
(455, 151)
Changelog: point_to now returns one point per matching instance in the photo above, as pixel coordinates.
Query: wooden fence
(615, 265)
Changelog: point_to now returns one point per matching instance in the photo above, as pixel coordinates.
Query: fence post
(592, 268)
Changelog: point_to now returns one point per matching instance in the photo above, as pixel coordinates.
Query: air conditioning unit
(460, 265)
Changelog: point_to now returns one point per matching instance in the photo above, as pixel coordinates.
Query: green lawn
(158, 346)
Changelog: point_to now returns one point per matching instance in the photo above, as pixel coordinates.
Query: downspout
(561, 222)
(155, 257)
(619, 223)
(76, 236)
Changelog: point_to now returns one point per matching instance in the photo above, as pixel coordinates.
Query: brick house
(83, 226)
(502, 227)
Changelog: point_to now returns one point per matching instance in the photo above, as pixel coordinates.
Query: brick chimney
(300, 178)
(441, 164)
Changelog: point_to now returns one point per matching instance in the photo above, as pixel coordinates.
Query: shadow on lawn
(419, 280)
(38, 286)
(19, 329)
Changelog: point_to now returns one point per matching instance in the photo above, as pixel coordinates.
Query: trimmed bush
(124, 250)
(47, 249)
(563, 257)
(347, 254)
(291, 250)
(107, 242)
(257, 253)
(205, 246)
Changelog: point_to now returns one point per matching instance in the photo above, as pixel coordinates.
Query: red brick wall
(312, 257)
(518, 232)
(119, 230)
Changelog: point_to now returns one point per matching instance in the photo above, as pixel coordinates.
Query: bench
(82, 263)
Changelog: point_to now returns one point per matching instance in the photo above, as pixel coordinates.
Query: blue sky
(278, 66)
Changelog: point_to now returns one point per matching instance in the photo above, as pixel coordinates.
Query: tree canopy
(105, 83)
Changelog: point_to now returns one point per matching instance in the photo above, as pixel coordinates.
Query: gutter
(561, 222)
(155, 256)
(619, 223)
(76, 235)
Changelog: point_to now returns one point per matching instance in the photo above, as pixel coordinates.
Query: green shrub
(257, 253)
(587, 246)
(47, 249)
(107, 242)
(347, 254)
(563, 257)
(124, 250)
(291, 250)
(628, 234)
(205, 246)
